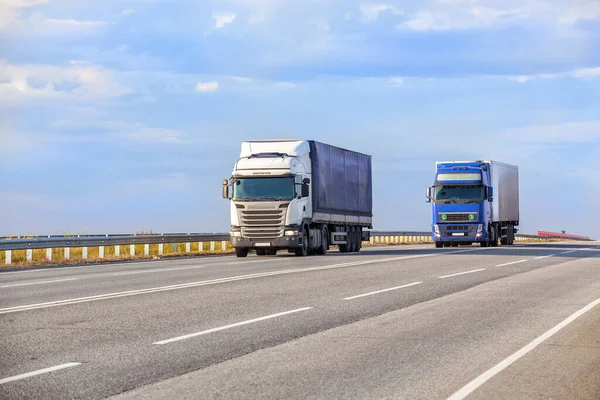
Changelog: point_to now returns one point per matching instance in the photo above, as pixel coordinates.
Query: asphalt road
(397, 322)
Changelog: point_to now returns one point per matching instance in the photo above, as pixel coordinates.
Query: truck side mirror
(305, 190)
(490, 194)
(306, 181)
(428, 195)
(226, 189)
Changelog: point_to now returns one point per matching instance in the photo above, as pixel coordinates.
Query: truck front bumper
(287, 242)
(452, 233)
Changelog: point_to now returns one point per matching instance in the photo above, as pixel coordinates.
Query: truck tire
(324, 242)
(261, 252)
(439, 245)
(303, 251)
(241, 252)
(345, 248)
(358, 238)
(353, 244)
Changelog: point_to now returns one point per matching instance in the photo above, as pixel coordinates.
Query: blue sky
(125, 116)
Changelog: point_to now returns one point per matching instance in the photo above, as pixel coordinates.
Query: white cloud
(370, 11)
(240, 79)
(207, 86)
(571, 132)
(38, 24)
(78, 80)
(222, 19)
(286, 85)
(396, 81)
(484, 14)
(581, 73)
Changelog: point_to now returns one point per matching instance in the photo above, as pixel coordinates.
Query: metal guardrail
(8, 245)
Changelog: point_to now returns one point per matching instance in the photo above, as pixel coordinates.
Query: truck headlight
(292, 232)
(436, 228)
(235, 233)
(479, 228)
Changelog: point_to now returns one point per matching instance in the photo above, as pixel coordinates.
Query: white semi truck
(299, 195)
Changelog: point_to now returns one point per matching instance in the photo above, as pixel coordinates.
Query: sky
(124, 116)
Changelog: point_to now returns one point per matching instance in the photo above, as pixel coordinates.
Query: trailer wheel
(345, 248)
(324, 242)
(241, 252)
(358, 238)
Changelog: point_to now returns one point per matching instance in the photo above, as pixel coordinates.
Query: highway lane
(56, 284)
(123, 343)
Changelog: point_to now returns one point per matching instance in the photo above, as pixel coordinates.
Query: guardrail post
(8, 257)
(100, 251)
(132, 250)
(67, 253)
(84, 253)
(161, 249)
(29, 255)
(146, 249)
(223, 245)
(188, 247)
(49, 254)
(212, 246)
(372, 240)
(200, 247)
(117, 251)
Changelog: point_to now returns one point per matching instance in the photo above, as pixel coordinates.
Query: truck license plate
(458, 234)
(263, 244)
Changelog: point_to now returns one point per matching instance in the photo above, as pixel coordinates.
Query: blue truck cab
(474, 202)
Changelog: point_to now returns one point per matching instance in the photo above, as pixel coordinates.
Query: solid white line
(383, 291)
(567, 252)
(115, 295)
(542, 257)
(149, 271)
(38, 283)
(489, 374)
(511, 263)
(222, 328)
(38, 372)
(461, 273)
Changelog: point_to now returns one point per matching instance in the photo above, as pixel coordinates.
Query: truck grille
(457, 217)
(262, 224)
(448, 230)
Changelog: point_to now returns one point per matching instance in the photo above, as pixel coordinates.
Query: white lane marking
(542, 257)
(489, 374)
(461, 273)
(38, 372)
(511, 263)
(149, 271)
(108, 296)
(38, 283)
(222, 328)
(568, 252)
(383, 291)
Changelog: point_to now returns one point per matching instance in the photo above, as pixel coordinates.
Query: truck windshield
(459, 194)
(264, 189)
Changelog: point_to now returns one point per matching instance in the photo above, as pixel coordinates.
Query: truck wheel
(241, 252)
(439, 245)
(324, 242)
(358, 238)
(303, 251)
(345, 248)
(353, 243)
(455, 244)
(261, 252)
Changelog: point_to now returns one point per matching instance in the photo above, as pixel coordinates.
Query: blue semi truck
(474, 202)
